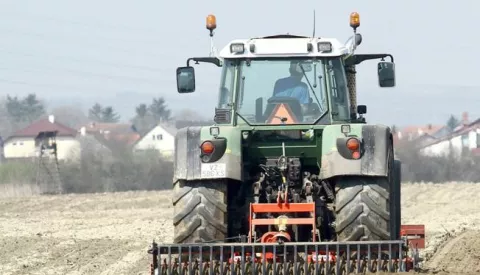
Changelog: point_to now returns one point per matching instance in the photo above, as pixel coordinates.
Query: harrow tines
(271, 269)
(301, 259)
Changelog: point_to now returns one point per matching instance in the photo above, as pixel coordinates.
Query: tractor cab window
(227, 85)
(339, 90)
(281, 91)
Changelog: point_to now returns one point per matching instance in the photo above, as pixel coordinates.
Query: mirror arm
(212, 60)
(359, 58)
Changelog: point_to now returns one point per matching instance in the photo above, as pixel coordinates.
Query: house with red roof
(24, 143)
(120, 134)
(465, 138)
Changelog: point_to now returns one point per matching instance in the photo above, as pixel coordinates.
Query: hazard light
(354, 20)
(211, 22)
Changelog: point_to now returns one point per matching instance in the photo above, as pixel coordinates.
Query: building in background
(123, 135)
(465, 138)
(160, 138)
(22, 143)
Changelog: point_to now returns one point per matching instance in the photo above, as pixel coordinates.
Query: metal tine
(232, 261)
(295, 261)
(316, 259)
(169, 268)
(349, 254)
(400, 257)
(379, 264)
(243, 259)
(285, 259)
(369, 260)
(305, 265)
(254, 266)
(327, 263)
(264, 261)
(190, 260)
(390, 267)
(180, 260)
(200, 251)
(358, 259)
(221, 259)
(337, 262)
(211, 260)
(274, 260)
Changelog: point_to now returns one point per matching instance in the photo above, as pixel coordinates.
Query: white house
(23, 143)
(465, 138)
(161, 138)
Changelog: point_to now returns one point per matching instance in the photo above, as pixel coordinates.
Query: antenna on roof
(313, 23)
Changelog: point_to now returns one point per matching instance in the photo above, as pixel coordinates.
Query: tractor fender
(376, 140)
(187, 161)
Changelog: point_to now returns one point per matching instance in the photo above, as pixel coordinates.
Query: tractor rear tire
(200, 211)
(362, 208)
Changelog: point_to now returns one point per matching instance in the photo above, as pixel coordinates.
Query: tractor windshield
(285, 91)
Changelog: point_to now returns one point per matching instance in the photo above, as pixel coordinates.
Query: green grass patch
(17, 171)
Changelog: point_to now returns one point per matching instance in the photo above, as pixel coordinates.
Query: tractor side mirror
(361, 109)
(185, 80)
(386, 74)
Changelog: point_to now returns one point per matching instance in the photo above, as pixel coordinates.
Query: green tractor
(290, 149)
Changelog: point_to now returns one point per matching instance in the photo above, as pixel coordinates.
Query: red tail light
(353, 144)
(207, 147)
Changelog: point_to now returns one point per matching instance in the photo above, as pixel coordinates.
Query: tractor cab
(286, 79)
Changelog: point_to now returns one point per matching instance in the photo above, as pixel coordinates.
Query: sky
(123, 53)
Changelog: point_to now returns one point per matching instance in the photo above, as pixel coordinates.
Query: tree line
(18, 112)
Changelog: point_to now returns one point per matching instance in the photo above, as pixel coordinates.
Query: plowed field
(110, 233)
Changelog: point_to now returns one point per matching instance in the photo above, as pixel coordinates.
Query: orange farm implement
(274, 254)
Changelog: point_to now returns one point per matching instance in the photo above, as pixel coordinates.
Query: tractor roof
(283, 45)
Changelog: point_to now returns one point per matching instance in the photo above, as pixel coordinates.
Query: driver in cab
(292, 86)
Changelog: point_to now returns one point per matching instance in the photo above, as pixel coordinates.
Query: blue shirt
(291, 87)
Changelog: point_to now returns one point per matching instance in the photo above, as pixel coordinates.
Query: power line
(96, 24)
(85, 74)
(55, 86)
(89, 36)
(83, 60)
(85, 41)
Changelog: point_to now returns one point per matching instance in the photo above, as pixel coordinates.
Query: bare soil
(452, 223)
(110, 233)
(82, 234)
